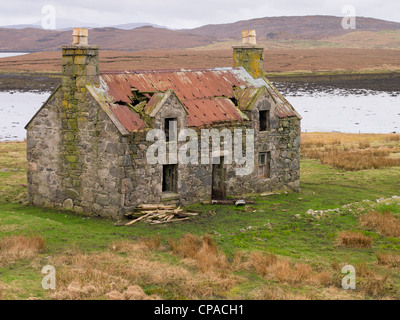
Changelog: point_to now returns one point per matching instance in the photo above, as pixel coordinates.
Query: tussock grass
(353, 240)
(283, 270)
(392, 137)
(203, 251)
(151, 243)
(15, 248)
(372, 282)
(131, 293)
(12, 171)
(388, 259)
(128, 267)
(276, 293)
(105, 265)
(352, 151)
(384, 223)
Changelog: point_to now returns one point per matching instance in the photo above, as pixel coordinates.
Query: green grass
(269, 225)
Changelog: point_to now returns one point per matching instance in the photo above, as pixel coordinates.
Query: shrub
(14, 248)
(388, 259)
(354, 240)
(384, 223)
(203, 251)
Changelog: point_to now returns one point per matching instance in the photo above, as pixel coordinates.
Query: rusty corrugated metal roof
(205, 93)
(128, 118)
(208, 111)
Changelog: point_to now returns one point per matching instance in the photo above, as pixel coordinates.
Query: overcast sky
(187, 13)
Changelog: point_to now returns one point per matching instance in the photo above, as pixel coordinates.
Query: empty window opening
(264, 165)
(264, 120)
(171, 129)
(170, 178)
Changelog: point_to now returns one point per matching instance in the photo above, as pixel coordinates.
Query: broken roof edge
(43, 105)
(105, 107)
(280, 95)
(255, 93)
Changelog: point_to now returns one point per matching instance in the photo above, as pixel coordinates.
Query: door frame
(220, 169)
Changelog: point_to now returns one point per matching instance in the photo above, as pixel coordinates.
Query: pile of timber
(159, 214)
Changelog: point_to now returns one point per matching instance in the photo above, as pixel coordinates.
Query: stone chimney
(249, 55)
(80, 62)
(80, 67)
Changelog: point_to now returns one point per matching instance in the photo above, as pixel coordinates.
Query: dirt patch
(28, 82)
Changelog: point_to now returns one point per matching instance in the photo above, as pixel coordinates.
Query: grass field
(284, 246)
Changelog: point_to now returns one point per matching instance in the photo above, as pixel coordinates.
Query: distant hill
(274, 32)
(69, 24)
(144, 38)
(305, 27)
(130, 26)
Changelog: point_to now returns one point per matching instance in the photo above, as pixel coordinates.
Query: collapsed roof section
(208, 95)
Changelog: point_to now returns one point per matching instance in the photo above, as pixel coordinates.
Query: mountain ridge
(314, 30)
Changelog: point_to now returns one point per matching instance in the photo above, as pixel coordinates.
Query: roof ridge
(167, 70)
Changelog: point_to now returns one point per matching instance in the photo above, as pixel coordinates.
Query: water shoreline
(387, 81)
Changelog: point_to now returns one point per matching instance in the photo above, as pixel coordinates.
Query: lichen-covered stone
(68, 204)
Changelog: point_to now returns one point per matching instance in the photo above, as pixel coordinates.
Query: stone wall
(43, 153)
(90, 178)
(195, 181)
(101, 163)
(90, 168)
(77, 158)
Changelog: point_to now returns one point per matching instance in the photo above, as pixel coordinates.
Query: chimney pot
(245, 36)
(80, 36)
(75, 36)
(252, 37)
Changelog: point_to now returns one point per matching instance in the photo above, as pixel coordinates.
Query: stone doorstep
(169, 196)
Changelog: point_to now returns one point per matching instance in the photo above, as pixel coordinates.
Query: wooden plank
(178, 210)
(138, 219)
(191, 213)
(154, 207)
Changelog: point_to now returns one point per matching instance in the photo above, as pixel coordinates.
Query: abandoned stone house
(87, 145)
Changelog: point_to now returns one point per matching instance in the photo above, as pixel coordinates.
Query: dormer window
(264, 120)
